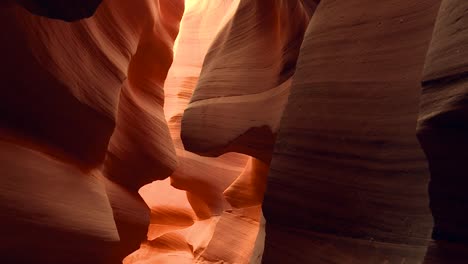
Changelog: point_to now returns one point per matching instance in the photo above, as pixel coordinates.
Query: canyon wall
(346, 156)
(441, 131)
(234, 131)
(192, 218)
(442, 120)
(82, 126)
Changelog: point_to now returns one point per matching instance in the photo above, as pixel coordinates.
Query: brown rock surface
(443, 121)
(70, 75)
(305, 246)
(131, 216)
(97, 113)
(245, 80)
(51, 212)
(346, 159)
(67, 88)
(194, 223)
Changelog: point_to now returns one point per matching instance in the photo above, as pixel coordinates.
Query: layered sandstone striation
(346, 157)
(442, 118)
(245, 80)
(441, 131)
(161, 131)
(48, 206)
(193, 215)
(82, 126)
(350, 127)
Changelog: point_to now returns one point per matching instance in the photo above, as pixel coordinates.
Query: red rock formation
(141, 149)
(75, 95)
(442, 120)
(346, 158)
(245, 80)
(322, 97)
(131, 217)
(194, 223)
(51, 212)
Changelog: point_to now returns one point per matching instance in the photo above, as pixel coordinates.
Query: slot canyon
(233, 131)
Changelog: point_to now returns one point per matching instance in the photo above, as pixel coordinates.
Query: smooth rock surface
(442, 123)
(346, 160)
(51, 212)
(81, 118)
(245, 80)
(192, 217)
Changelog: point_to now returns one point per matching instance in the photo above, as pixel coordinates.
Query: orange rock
(131, 217)
(69, 87)
(318, 98)
(191, 224)
(245, 80)
(51, 212)
(69, 64)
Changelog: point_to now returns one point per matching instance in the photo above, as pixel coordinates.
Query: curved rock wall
(350, 123)
(194, 216)
(111, 143)
(81, 102)
(442, 120)
(346, 157)
(245, 80)
(441, 131)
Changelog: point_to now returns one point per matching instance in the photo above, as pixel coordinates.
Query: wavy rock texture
(51, 211)
(321, 100)
(245, 80)
(215, 205)
(442, 120)
(59, 214)
(81, 118)
(141, 143)
(131, 216)
(346, 158)
(77, 87)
